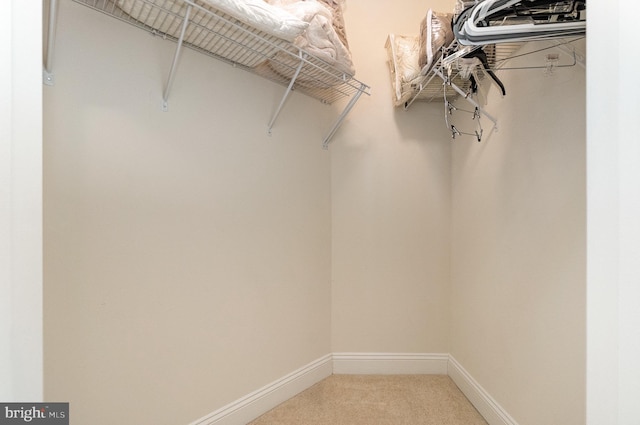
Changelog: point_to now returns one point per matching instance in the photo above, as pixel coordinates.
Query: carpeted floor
(377, 400)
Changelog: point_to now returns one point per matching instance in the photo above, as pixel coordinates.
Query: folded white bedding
(256, 13)
(321, 38)
(263, 16)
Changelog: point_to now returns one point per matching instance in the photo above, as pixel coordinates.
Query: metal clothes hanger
(450, 108)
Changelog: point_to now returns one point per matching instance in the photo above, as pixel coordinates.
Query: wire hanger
(450, 108)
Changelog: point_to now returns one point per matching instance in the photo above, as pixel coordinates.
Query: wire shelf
(221, 36)
(428, 86)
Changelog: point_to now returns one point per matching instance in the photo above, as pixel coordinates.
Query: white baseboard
(492, 412)
(389, 363)
(246, 409)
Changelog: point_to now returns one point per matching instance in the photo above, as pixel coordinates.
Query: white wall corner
(492, 412)
(390, 363)
(266, 398)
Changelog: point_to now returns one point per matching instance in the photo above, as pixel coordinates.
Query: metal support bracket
(47, 74)
(176, 57)
(287, 92)
(347, 109)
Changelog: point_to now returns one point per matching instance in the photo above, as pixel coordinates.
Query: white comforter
(263, 16)
(256, 13)
(320, 39)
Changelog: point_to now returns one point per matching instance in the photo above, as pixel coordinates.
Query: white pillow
(436, 33)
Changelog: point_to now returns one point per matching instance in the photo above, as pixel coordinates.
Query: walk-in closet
(240, 199)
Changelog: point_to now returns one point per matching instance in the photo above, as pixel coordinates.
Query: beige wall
(390, 203)
(187, 253)
(518, 247)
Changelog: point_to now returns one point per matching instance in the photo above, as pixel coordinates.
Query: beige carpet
(377, 400)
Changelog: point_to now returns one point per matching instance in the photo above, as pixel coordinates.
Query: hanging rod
(562, 46)
(575, 61)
